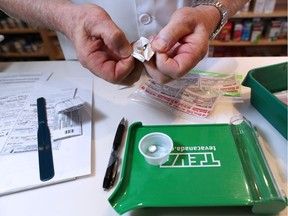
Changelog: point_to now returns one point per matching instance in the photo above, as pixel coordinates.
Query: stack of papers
(19, 168)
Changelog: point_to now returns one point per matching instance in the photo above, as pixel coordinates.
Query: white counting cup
(156, 147)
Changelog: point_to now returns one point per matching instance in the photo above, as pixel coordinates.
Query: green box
(264, 82)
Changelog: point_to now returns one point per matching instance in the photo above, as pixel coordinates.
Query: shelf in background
(262, 42)
(22, 55)
(250, 14)
(19, 31)
(25, 42)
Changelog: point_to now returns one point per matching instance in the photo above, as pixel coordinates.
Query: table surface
(85, 195)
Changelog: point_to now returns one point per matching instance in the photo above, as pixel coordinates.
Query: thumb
(178, 27)
(168, 37)
(117, 42)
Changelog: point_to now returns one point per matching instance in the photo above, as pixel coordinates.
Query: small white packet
(67, 119)
(142, 49)
(66, 125)
(69, 105)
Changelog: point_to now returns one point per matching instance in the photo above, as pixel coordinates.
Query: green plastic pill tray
(210, 165)
(264, 82)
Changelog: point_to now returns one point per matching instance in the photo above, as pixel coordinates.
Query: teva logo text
(191, 160)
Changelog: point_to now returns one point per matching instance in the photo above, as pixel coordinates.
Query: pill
(152, 148)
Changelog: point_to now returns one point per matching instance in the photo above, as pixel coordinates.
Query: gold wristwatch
(222, 10)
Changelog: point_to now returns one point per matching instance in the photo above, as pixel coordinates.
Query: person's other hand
(101, 46)
(182, 43)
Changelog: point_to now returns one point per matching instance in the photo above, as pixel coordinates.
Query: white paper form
(23, 137)
(21, 171)
(15, 89)
(23, 79)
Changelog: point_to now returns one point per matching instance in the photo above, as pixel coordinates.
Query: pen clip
(114, 173)
(111, 174)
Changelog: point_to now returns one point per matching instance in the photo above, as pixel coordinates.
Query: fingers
(179, 60)
(113, 38)
(154, 73)
(102, 47)
(179, 26)
(127, 71)
(134, 76)
(102, 27)
(184, 57)
(109, 69)
(179, 46)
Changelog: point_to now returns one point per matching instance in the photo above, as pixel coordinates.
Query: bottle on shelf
(23, 41)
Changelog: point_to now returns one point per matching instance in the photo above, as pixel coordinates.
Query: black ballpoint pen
(45, 157)
(111, 170)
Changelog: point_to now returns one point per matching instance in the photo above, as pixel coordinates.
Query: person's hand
(100, 45)
(181, 44)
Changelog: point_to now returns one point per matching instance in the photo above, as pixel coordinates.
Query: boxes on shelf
(269, 6)
(273, 31)
(259, 6)
(237, 31)
(246, 7)
(283, 29)
(256, 30)
(26, 44)
(264, 6)
(247, 28)
(13, 23)
(225, 34)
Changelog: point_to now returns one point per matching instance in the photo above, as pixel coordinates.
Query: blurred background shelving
(259, 29)
(23, 42)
